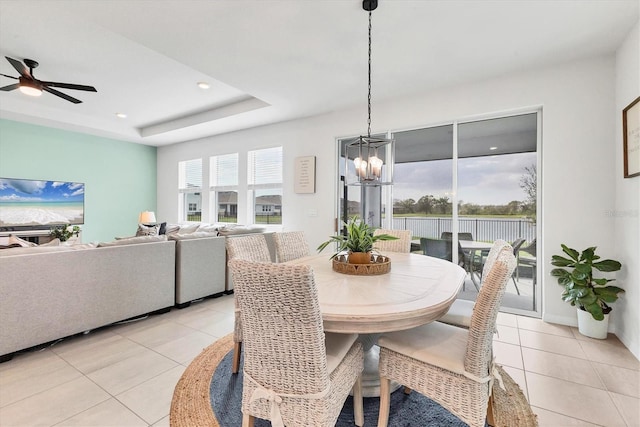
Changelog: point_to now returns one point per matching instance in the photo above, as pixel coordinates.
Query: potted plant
(358, 241)
(591, 295)
(64, 232)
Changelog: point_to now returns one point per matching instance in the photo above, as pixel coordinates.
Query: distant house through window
(265, 185)
(224, 187)
(190, 190)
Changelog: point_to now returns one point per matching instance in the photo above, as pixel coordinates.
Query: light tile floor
(124, 375)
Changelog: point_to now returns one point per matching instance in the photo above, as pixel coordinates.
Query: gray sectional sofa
(200, 266)
(51, 293)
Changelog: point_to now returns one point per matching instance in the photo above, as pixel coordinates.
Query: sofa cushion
(189, 228)
(32, 250)
(81, 246)
(208, 228)
(194, 235)
(13, 245)
(133, 241)
(230, 230)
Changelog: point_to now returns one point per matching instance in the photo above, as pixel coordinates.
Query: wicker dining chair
(294, 373)
(450, 365)
(403, 244)
(290, 245)
(460, 312)
(252, 247)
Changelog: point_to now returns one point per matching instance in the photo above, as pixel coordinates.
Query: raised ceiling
(276, 60)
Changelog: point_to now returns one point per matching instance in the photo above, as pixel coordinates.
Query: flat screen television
(27, 204)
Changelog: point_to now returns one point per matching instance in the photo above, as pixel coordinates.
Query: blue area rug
(412, 410)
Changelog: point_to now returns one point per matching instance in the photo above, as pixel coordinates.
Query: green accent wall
(119, 176)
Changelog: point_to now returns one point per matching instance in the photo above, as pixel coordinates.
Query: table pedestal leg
(371, 375)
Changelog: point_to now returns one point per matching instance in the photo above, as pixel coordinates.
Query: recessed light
(203, 85)
(121, 115)
(493, 148)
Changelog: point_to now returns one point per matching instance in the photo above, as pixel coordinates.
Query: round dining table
(417, 290)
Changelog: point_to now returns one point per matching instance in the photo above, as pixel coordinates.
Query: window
(224, 187)
(190, 190)
(265, 185)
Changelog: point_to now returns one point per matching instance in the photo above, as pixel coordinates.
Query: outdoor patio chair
(516, 248)
(531, 263)
(441, 248)
(460, 312)
(461, 235)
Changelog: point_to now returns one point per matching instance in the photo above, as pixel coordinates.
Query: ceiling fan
(29, 85)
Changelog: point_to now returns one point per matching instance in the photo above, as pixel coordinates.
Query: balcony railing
(483, 229)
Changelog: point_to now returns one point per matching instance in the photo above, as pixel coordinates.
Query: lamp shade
(147, 217)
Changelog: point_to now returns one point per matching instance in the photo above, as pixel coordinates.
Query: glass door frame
(387, 195)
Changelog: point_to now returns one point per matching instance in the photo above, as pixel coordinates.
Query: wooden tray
(379, 264)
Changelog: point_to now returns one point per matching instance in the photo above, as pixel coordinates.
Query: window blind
(190, 175)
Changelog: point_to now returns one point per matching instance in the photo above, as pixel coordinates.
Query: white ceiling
(275, 60)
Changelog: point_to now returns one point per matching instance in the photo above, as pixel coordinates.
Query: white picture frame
(305, 175)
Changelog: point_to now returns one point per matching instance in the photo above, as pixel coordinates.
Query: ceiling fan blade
(20, 67)
(10, 87)
(11, 77)
(61, 95)
(70, 86)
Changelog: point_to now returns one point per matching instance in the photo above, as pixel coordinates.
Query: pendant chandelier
(369, 160)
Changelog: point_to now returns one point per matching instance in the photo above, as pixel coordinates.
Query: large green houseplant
(581, 289)
(358, 239)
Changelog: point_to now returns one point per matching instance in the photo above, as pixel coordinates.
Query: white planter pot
(590, 327)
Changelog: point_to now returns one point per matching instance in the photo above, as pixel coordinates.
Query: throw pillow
(188, 228)
(148, 230)
(22, 242)
(53, 242)
(172, 228)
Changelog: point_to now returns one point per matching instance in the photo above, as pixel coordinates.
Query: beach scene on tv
(26, 202)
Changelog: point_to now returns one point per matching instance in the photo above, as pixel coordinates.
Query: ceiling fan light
(30, 90)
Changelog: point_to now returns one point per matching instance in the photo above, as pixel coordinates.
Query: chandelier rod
(369, 86)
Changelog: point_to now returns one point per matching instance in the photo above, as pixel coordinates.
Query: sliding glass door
(497, 176)
(459, 187)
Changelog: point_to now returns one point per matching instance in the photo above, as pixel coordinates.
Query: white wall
(627, 204)
(578, 173)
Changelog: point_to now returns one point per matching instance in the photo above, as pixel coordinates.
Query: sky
(490, 180)
(27, 190)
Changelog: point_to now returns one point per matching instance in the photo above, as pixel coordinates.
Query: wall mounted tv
(27, 204)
